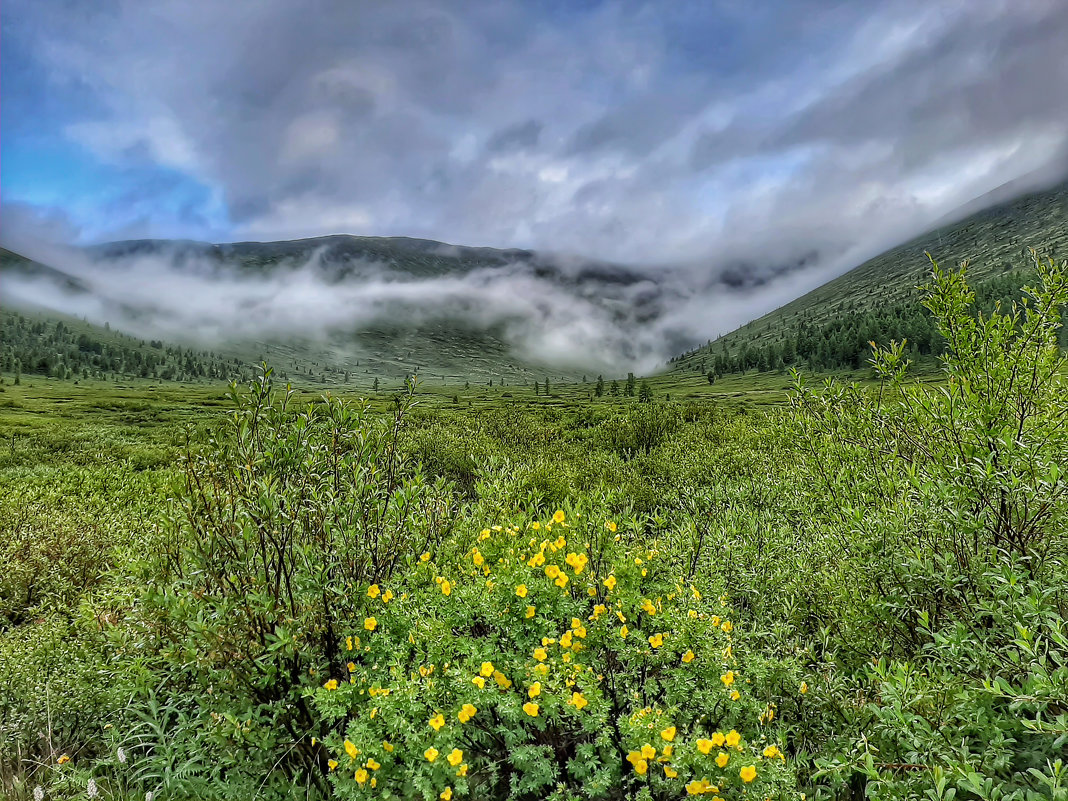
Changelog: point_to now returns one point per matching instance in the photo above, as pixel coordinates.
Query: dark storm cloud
(521, 136)
(709, 134)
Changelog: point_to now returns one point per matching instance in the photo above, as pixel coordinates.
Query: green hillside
(446, 352)
(829, 328)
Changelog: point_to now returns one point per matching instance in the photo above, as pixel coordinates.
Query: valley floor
(736, 589)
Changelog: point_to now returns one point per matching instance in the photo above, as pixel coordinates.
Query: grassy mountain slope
(995, 241)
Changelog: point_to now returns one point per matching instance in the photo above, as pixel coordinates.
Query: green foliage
(548, 660)
(946, 506)
(282, 512)
(890, 556)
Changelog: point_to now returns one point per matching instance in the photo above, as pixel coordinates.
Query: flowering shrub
(551, 659)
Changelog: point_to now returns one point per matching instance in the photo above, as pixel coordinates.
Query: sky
(708, 134)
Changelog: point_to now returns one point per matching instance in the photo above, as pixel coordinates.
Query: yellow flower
(722, 759)
(387, 746)
(565, 640)
(670, 772)
(727, 678)
(531, 709)
(697, 787)
(456, 757)
(361, 775)
(727, 626)
(598, 611)
(704, 746)
(718, 739)
(748, 773)
(351, 666)
(535, 689)
(578, 700)
(437, 722)
(610, 583)
(530, 612)
(656, 640)
(648, 752)
(486, 669)
(425, 557)
(804, 687)
(462, 770)
(332, 764)
(521, 590)
(580, 632)
(577, 562)
(330, 685)
(370, 624)
(373, 591)
(668, 733)
(478, 559)
(467, 711)
(688, 657)
(772, 751)
(552, 571)
(446, 588)
(560, 542)
(641, 767)
(502, 681)
(558, 516)
(623, 632)
(387, 596)
(648, 607)
(431, 754)
(735, 695)
(535, 525)
(348, 643)
(540, 654)
(542, 669)
(733, 738)
(561, 580)
(351, 749)
(373, 765)
(610, 526)
(446, 794)
(479, 682)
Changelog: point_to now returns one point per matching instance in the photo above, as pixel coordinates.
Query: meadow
(770, 585)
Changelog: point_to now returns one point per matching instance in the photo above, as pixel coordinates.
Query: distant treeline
(843, 342)
(52, 349)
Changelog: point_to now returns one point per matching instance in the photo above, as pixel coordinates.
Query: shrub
(282, 514)
(548, 660)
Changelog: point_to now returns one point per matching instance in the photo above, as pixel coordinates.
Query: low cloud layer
(551, 311)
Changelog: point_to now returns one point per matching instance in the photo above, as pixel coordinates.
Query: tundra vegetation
(859, 592)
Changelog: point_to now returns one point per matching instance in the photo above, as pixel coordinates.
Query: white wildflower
(90, 788)
(38, 793)
(121, 754)
(149, 796)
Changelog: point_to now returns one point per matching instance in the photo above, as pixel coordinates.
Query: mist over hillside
(545, 309)
(405, 304)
